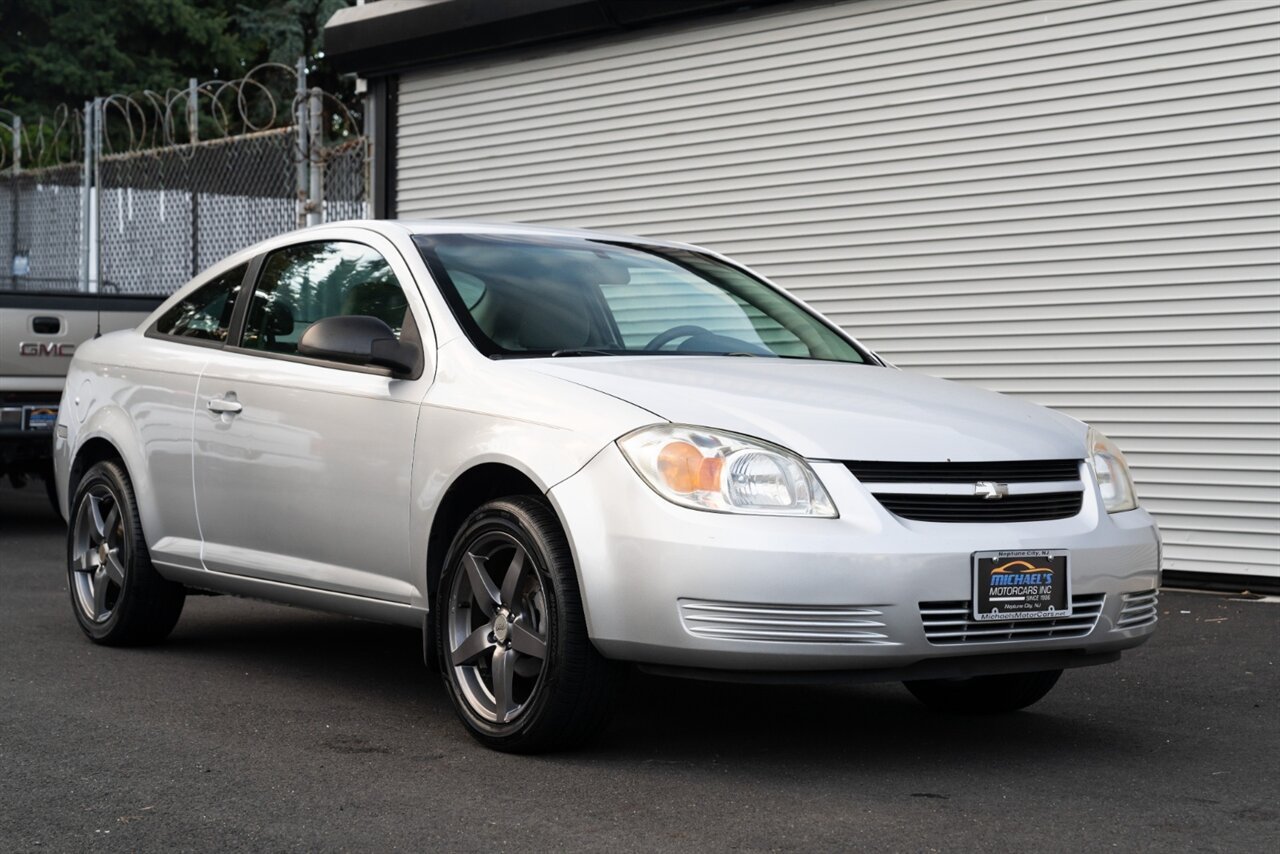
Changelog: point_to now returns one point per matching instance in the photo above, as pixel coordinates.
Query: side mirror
(359, 340)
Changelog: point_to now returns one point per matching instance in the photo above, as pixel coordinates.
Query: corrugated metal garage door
(1073, 202)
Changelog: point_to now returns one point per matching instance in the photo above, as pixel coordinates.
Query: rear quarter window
(205, 313)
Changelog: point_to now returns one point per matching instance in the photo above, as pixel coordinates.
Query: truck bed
(39, 333)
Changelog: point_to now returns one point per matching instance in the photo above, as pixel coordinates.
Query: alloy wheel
(498, 627)
(99, 553)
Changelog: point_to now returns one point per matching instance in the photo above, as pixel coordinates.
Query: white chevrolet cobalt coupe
(561, 453)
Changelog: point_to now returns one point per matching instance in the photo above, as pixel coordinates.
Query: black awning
(384, 37)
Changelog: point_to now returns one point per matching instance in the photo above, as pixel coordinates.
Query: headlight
(725, 472)
(1109, 466)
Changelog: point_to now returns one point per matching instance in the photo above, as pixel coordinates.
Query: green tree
(67, 51)
(284, 30)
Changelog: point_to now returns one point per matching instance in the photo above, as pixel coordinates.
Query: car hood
(830, 410)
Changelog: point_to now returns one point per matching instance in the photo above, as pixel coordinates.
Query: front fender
(482, 412)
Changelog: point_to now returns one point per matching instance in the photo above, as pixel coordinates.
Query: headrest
(383, 300)
(557, 318)
(277, 319)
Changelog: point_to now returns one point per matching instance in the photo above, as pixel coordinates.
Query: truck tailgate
(39, 332)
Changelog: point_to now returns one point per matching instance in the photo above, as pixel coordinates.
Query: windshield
(536, 296)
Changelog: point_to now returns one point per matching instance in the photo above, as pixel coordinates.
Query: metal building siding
(1074, 202)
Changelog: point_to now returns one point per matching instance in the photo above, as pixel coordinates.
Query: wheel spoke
(109, 524)
(511, 581)
(502, 678)
(113, 567)
(486, 595)
(95, 516)
(471, 648)
(83, 563)
(526, 642)
(99, 594)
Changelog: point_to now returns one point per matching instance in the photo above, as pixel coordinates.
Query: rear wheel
(511, 635)
(116, 594)
(979, 695)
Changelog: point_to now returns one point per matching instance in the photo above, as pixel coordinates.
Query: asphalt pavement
(258, 727)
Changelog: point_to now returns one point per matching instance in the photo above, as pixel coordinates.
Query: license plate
(39, 417)
(1021, 585)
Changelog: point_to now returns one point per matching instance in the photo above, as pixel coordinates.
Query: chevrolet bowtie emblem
(990, 490)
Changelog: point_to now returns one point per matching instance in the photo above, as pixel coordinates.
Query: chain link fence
(141, 200)
(167, 213)
(346, 180)
(40, 228)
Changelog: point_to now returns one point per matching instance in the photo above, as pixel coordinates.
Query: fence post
(195, 232)
(193, 136)
(193, 115)
(315, 204)
(303, 153)
(95, 211)
(86, 199)
(16, 192)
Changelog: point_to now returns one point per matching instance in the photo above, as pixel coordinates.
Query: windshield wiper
(581, 351)
(591, 351)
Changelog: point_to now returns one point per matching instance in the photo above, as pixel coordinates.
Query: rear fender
(113, 424)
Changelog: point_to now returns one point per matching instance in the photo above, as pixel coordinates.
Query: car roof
(460, 226)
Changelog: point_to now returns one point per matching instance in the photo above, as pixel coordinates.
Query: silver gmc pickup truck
(39, 332)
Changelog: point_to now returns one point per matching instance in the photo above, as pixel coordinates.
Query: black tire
(135, 606)
(575, 689)
(984, 695)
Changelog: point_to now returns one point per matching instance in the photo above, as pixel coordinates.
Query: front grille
(1026, 471)
(902, 501)
(974, 508)
(947, 623)
(1139, 610)
(838, 624)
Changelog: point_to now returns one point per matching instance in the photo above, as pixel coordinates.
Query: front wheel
(984, 695)
(116, 594)
(511, 635)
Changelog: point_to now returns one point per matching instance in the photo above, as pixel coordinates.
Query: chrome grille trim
(836, 624)
(1021, 471)
(966, 489)
(1140, 609)
(947, 623)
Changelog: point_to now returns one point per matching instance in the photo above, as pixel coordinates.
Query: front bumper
(667, 585)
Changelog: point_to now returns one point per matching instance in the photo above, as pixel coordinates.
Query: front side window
(205, 314)
(301, 284)
(536, 296)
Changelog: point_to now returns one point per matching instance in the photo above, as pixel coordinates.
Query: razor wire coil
(181, 179)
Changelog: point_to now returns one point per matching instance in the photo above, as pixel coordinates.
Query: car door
(302, 466)
(160, 400)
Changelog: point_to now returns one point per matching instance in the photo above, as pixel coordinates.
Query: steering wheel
(664, 338)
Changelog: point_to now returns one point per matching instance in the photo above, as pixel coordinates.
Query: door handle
(223, 405)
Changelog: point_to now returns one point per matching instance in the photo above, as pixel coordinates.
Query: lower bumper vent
(823, 624)
(1139, 609)
(952, 623)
